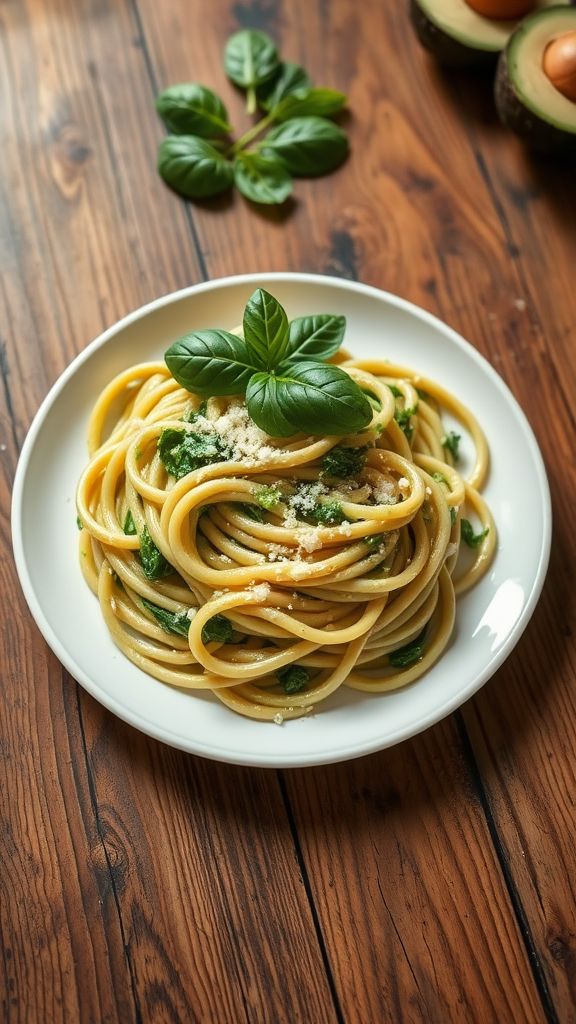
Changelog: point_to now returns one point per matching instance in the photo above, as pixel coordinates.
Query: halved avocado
(460, 37)
(526, 99)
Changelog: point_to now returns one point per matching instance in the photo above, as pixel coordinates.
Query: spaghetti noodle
(279, 569)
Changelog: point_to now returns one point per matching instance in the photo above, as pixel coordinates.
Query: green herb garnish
(171, 622)
(451, 442)
(440, 478)
(344, 462)
(453, 514)
(409, 654)
(218, 629)
(326, 513)
(79, 523)
(473, 540)
(192, 415)
(152, 560)
(129, 525)
(277, 365)
(252, 511)
(395, 391)
(198, 159)
(268, 496)
(293, 678)
(375, 540)
(183, 451)
(403, 417)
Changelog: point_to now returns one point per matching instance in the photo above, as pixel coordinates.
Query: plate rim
(213, 752)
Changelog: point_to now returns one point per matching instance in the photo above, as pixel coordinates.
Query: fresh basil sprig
(278, 366)
(199, 159)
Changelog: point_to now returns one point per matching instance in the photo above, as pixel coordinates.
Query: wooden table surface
(434, 881)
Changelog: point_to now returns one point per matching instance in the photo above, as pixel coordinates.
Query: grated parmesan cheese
(247, 443)
(278, 719)
(261, 591)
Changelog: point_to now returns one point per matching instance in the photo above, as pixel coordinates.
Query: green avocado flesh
(456, 34)
(526, 99)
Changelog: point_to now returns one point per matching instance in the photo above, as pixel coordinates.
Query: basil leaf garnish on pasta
(211, 362)
(310, 397)
(276, 364)
(315, 337)
(265, 327)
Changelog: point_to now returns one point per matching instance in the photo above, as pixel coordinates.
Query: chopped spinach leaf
(268, 497)
(453, 514)
(252, 511)
(293, 678)
(327, 513)
(129, 525)
(183, 451)
(409, 654)
(473, 540)
(152, 560)
(395, 391)
(403, 417)
(440, 478)
(192, 415)
(218, 629)
(451, 441)
(171, 622)
(79, 523)
(375, 540)
(344, 462)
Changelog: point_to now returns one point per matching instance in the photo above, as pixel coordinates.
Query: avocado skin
(536, 132)
(444, 47)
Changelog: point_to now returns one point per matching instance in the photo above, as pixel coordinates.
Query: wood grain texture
(136, 884)
(428, 883)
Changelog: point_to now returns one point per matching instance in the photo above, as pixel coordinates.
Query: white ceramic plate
(490, 618)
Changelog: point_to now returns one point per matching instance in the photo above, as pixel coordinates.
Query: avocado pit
(503, 10)
(560, 64)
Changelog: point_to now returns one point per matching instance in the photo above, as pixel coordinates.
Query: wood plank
(411, 898)
(393, 217)
(135, 883)
(523, 732)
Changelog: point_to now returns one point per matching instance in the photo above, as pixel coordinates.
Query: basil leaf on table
(314, 102)
(308, 145)
(308, 397)
(192, 109)
(263, 179)
(265, 328)
(211, 362)
(291, 80)
(250, 59)
(192, 167)
(315, 337)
